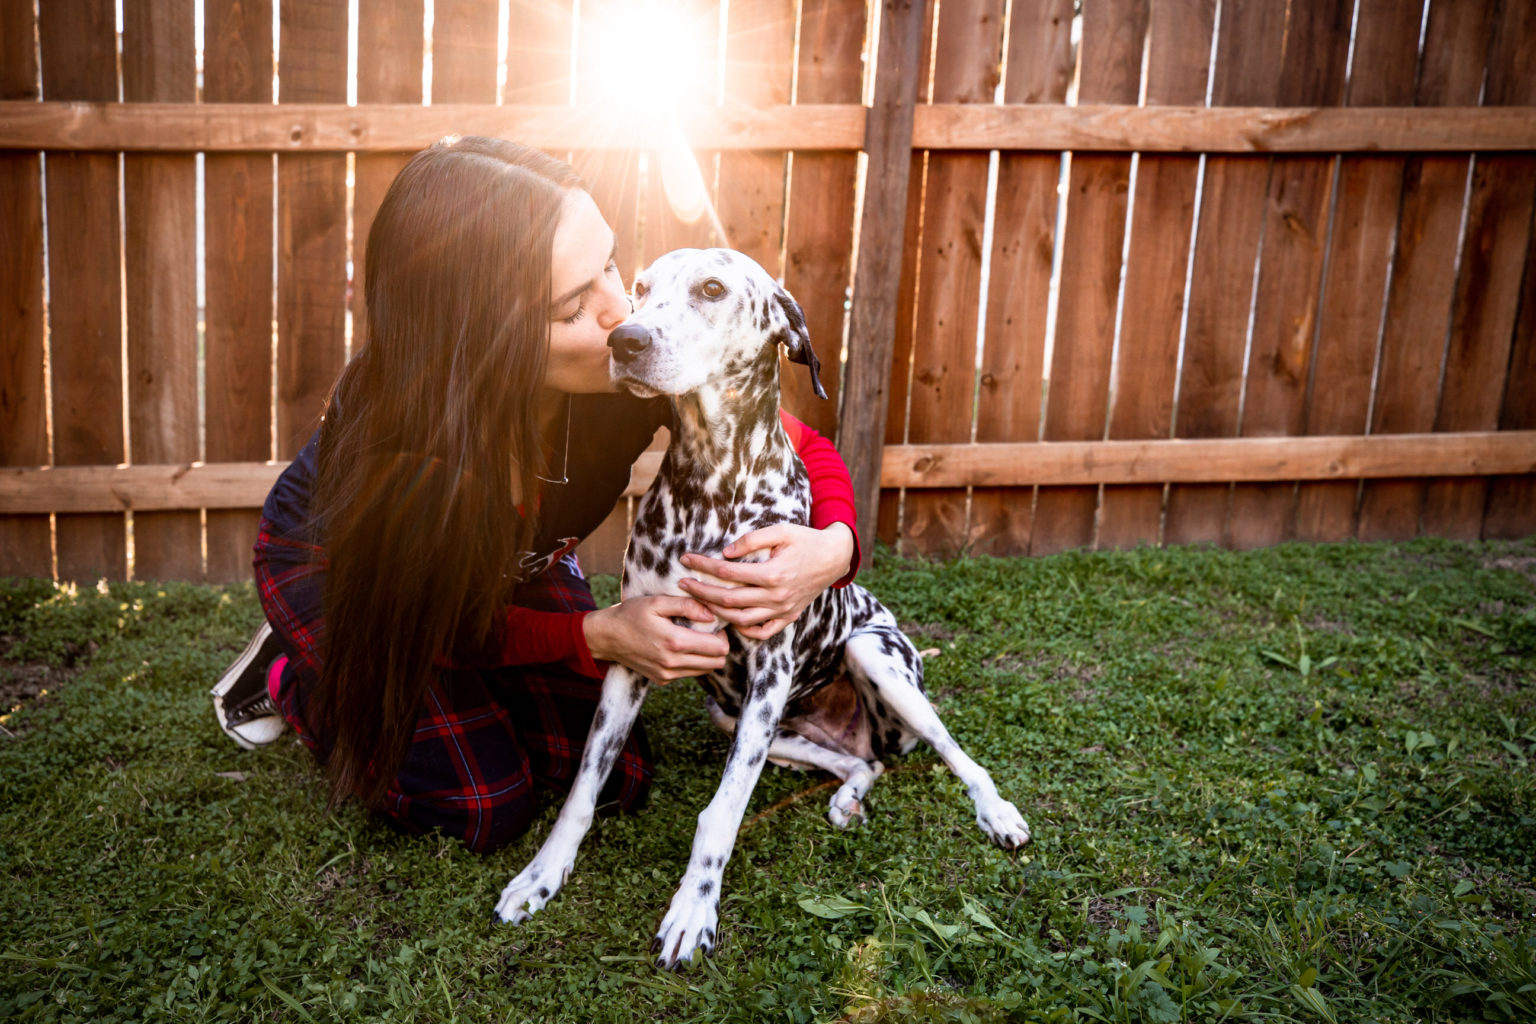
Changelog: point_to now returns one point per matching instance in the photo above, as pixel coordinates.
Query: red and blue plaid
(488, 741)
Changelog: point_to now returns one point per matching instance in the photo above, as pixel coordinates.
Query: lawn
(1292, 784)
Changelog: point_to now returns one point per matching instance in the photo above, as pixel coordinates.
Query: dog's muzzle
(628, 341)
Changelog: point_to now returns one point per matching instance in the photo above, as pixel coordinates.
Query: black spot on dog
(705, 888)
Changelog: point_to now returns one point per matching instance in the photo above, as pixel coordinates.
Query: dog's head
(703, 317)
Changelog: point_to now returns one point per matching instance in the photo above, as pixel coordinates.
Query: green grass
(1293, 784)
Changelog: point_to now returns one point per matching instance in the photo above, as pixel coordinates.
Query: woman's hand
(640, 633)
(769, 595)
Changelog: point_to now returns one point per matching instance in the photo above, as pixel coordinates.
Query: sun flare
(649, 61)
(650, 58)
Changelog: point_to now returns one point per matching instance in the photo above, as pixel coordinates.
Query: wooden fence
(1158, 271)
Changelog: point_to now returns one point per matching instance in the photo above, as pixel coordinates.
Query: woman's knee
(482, 824)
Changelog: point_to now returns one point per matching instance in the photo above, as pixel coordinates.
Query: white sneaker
(241, 703)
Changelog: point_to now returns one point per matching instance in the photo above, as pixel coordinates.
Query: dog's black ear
(797, 340)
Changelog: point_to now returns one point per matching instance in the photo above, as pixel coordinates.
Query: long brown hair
(431, 434)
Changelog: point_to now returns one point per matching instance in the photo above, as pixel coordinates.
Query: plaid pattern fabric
(488, 741)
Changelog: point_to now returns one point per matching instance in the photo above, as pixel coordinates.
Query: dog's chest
(699, 513)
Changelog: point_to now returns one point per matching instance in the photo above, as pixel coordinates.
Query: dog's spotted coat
(707, 332)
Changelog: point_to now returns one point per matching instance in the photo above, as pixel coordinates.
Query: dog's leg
(690, 923)
(886, 661)
(857, 774)
(536, 885)
(792, 751)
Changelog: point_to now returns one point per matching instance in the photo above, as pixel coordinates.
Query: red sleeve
(538, 638)
(831, 487)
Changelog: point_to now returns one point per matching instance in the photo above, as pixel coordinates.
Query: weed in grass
(1291, 784)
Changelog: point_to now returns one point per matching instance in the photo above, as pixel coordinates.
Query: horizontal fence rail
(151, 488)
(383, 128)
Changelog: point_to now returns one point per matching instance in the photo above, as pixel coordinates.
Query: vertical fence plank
(1178, 64)
(538, 52)
(818, 230)
(1498, 234)
(311, 225)
(613, 176)
(940, 408)
(389, 32)
(238, 229)
(79, 62)
(1511, 504)
(1114, 33)
(1038, 70)
(759, 71)
(539, 71)
(1290, 269)
(1424, 272)
(464, 51)
(160, 263)
(663, 226)
(1511, 508)
(26, 544)
(1247, 73)
(1359, 252)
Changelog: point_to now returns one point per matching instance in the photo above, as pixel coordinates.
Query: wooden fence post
(872, 324)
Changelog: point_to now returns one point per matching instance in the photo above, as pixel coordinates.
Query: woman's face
(587, 299)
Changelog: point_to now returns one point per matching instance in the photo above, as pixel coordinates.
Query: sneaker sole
(257, 732)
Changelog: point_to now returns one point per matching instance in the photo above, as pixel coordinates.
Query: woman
(429, 635)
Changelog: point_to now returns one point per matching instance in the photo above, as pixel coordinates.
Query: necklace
(565, 455)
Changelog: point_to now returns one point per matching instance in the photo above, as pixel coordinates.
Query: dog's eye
(640, 289)
(712, 288)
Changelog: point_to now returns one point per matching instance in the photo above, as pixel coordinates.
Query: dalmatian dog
(706, 331)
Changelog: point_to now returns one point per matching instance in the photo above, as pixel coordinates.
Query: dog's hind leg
(857, 774)
(797, 752)
(882, 660)
(623, 692)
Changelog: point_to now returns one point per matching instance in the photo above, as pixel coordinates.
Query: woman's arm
(831, 487)
(639, 633)
(766, 596)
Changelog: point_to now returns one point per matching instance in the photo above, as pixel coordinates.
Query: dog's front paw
(527, 894)
(689, 925)
(1003, 823)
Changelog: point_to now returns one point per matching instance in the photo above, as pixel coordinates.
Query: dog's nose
(628, 341)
